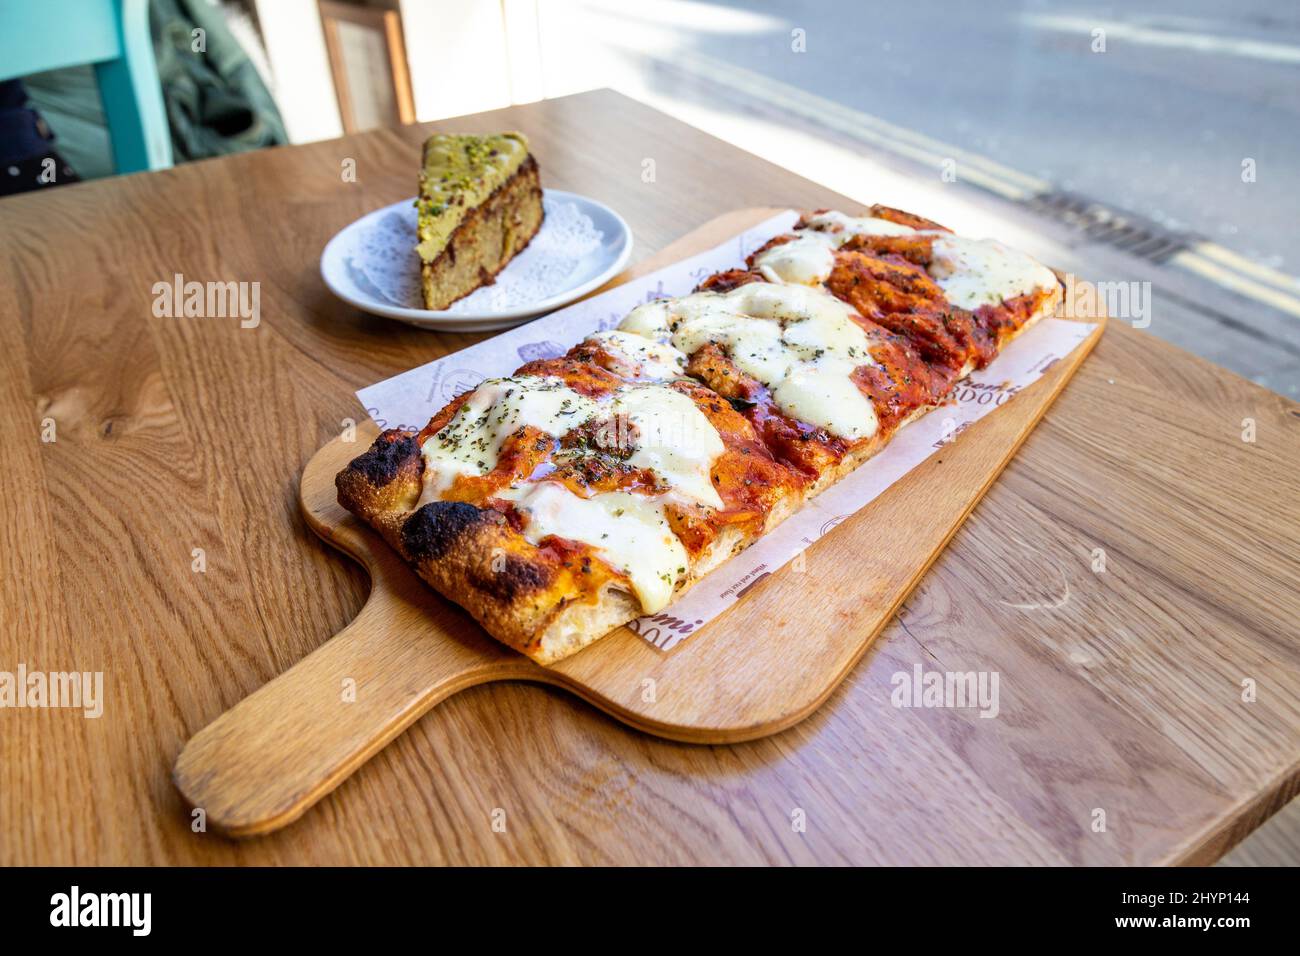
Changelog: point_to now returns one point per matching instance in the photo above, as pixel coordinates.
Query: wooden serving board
(760, 667)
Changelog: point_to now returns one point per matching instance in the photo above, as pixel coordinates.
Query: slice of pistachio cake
(480, 204)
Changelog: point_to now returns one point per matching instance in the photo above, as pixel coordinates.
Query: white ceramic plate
(346, 275)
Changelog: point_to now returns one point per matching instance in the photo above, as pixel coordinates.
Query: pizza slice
(958, 300)
(897, 310)
(572, 497)
(582, 492)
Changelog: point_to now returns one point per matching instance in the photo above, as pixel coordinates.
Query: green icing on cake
(459, 173)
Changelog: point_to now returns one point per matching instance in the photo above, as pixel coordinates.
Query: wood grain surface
(1121, 690)
(755, 670)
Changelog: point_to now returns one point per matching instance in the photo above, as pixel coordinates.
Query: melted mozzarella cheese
(471, 442)
(650, 321)
(809, 258)
(805, 260)
(640, 358)
(674, 439)
(976, 272)
(798, 341)
(669, 436)
(630, 531)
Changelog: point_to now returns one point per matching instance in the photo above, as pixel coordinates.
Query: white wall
(465, 56)
(303, 89)
(456, 50)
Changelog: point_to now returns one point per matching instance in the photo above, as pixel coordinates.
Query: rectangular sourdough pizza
(584, 491)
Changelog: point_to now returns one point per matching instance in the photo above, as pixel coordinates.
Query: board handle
(264, 762)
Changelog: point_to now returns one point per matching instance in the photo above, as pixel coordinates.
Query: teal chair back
(40, 35)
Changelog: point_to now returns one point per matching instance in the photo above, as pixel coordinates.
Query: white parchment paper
(409, 400)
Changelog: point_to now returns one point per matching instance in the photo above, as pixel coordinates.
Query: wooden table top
(176, 434)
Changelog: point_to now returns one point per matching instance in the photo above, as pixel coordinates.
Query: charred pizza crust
(540, 601)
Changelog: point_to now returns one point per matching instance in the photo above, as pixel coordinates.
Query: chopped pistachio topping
(459, 173)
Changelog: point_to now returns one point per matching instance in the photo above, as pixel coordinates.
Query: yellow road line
(1212, 250)
(1172, 39)
(1238, 283)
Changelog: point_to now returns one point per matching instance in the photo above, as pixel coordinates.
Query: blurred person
(28, 159)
